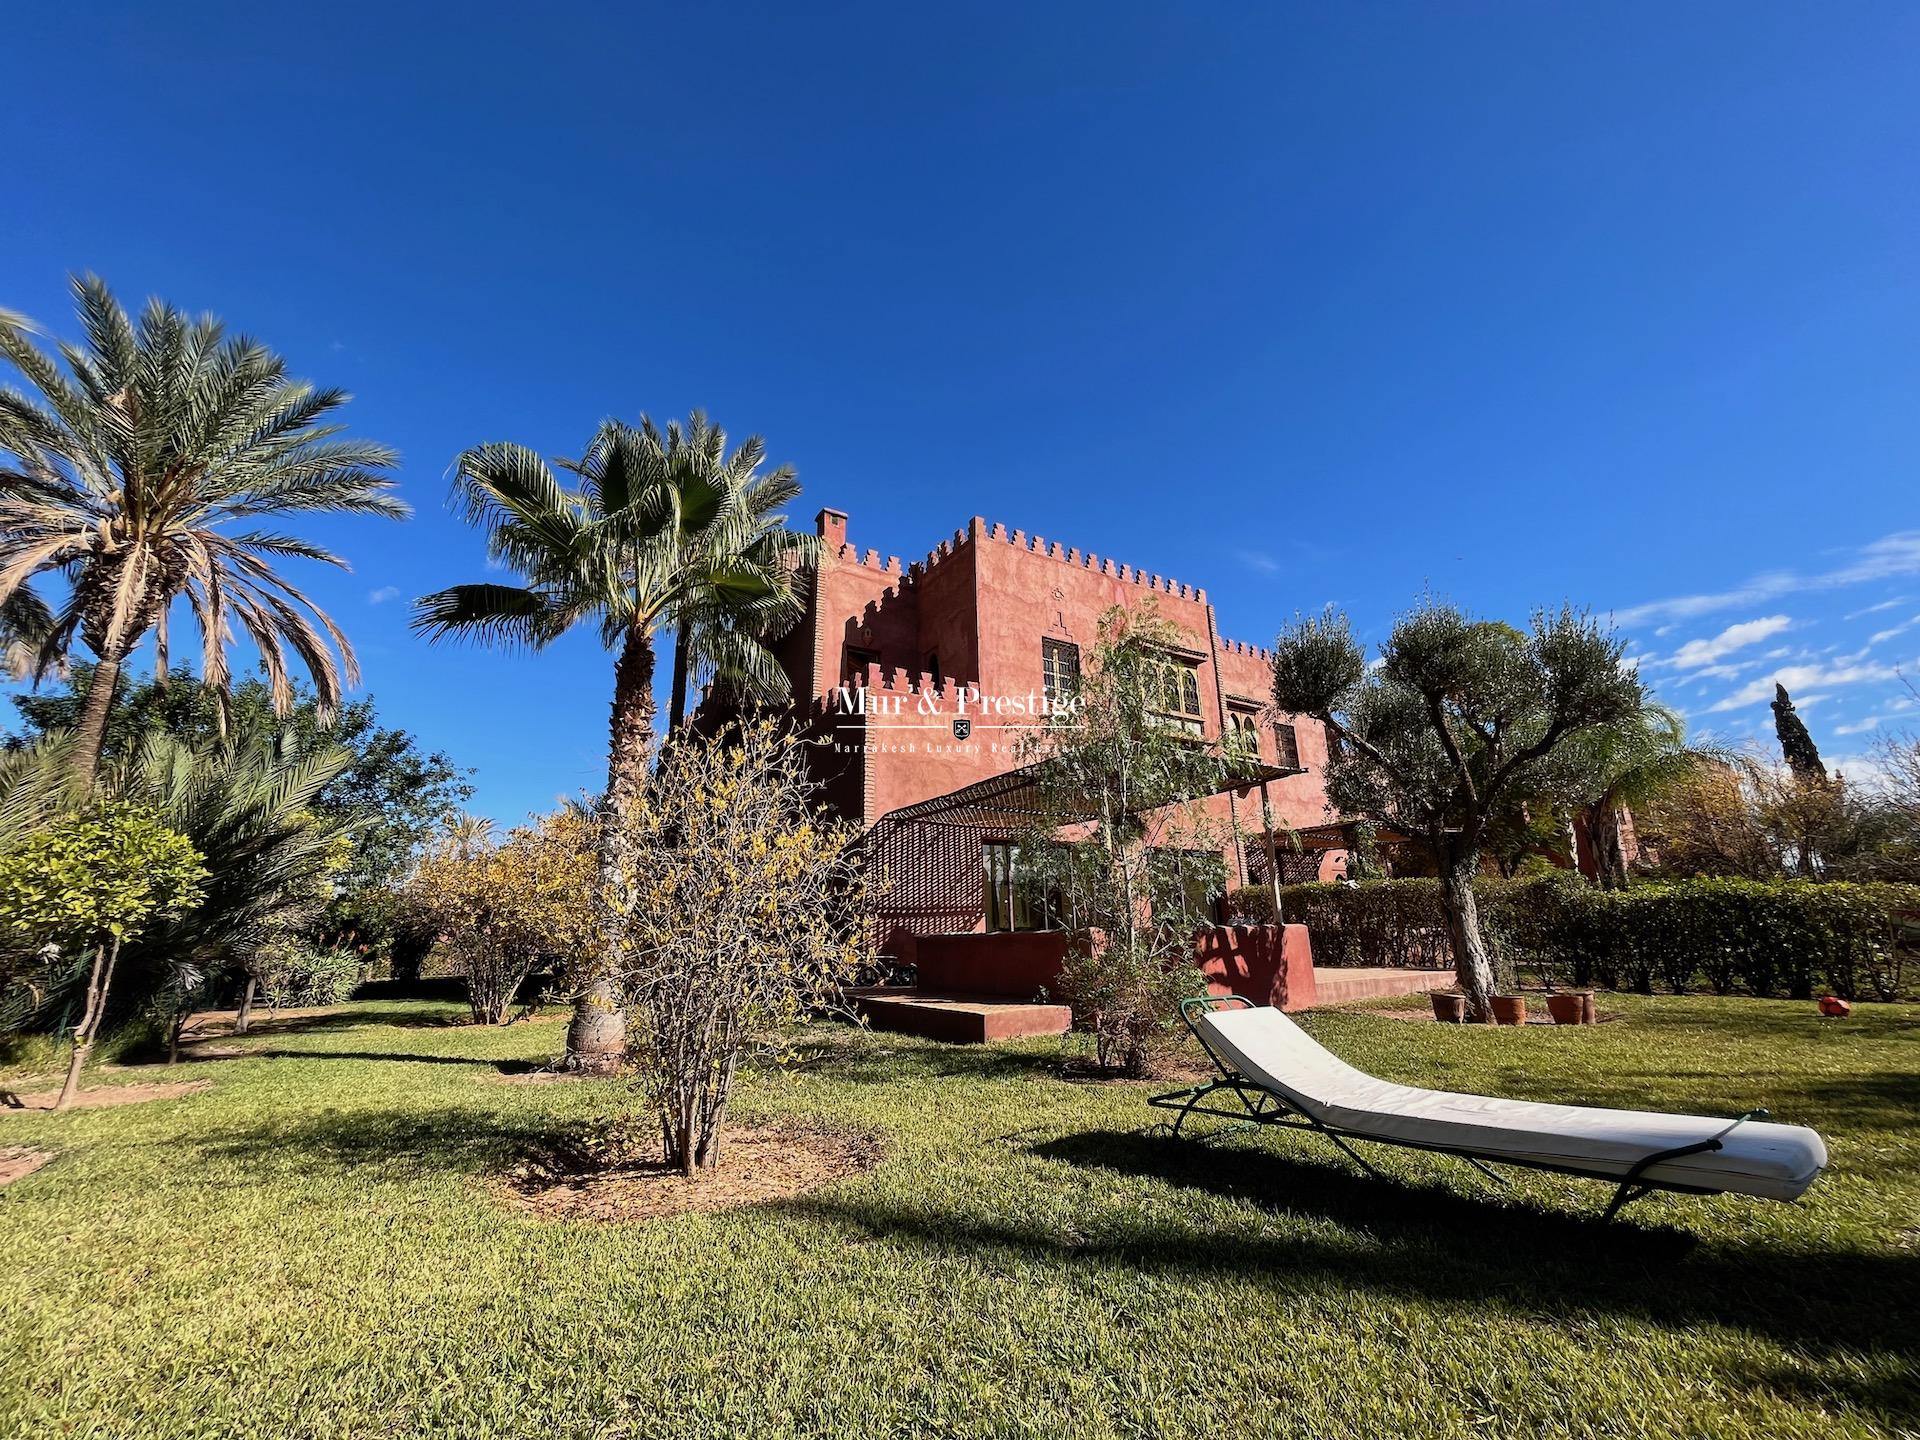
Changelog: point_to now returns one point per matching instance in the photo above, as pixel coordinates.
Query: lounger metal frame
(1260, 1106)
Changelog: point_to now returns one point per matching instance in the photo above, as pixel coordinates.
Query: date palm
(638, 545)
(729, 516)
(149, 470)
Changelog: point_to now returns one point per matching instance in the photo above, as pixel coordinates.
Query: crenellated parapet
(1087, 560)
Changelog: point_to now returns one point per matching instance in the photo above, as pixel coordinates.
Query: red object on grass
(1833, 1005)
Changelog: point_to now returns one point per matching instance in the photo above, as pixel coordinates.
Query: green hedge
(1787, 938)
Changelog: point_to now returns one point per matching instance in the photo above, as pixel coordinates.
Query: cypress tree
(1802, 755)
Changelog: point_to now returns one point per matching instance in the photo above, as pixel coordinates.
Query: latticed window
(1060, 664)
(1288, 741)
(1243, 730)
(1177, 696)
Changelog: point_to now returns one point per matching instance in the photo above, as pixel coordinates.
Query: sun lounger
(1277, 1074)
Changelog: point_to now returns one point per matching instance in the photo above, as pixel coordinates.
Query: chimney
(831, 526)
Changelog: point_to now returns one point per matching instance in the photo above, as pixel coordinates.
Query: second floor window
(1243, 730)
(1060, 669)
(1288, 743)
(1177, 696)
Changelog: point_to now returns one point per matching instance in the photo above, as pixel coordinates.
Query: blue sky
(1615, 304)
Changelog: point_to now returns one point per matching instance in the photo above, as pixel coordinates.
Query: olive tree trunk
(597, 1035)
(1472, 961)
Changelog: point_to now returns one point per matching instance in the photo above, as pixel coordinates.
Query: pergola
(1010, 801)
(925, 857)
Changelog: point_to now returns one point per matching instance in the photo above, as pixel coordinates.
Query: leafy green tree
(1458, 716)
(90, 883)
(1116, 851)
(147, 473)
(619, 553)
(392, 793)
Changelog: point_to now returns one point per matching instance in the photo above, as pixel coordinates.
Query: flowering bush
(504, 908)
(746, 906)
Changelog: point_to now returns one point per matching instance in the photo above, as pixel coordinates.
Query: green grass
(308, 1249)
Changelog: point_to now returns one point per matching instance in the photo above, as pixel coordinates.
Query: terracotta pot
(1568, 1009)
(1449, 1006)
(1509, 1009)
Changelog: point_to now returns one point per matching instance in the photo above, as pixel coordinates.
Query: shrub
(1759, 937)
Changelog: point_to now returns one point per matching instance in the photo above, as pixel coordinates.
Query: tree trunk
(243, 1016)
(90, 735)
(98, 979)
(1613, 850)
(1472, 963)
(677, 699)
(597, 1035)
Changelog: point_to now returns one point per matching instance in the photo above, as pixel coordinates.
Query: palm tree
(1631, 765)
(24, 623)
(640, 544)
(247, 806)
(729, 516)
(140, 475)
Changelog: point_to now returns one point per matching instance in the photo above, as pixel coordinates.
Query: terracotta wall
(1268, 964)
(1016, 964)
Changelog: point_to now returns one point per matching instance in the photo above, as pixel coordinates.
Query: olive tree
(89, 883)
(1457, 717)
(747, 912)
(1117, 851)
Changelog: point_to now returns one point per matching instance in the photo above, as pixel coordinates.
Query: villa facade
(915, 682)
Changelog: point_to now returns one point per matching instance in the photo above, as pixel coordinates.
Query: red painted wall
(1017, 965)
(1269, 964)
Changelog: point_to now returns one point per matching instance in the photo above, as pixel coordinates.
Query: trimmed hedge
(1789, 938)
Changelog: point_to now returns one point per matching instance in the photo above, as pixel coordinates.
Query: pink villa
(914, 683)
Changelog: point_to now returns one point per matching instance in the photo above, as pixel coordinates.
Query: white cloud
(1888, 634)
(1874, 609)
(1886, 558)
(383, 594)
(1258, 560)
(1859, 727)
(1696, 653)
(1796, 677)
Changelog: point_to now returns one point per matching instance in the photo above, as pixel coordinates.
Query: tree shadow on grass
(399, 1143)
(879, 1058)
(1426, 1242)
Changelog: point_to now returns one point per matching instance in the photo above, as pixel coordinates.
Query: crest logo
(962, 727)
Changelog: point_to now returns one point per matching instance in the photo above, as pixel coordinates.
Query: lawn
(311, 1248)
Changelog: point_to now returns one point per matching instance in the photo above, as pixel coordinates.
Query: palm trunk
(98, 979)
(244, 1015)
(90, 736)
(597, 1036)
(677, 701)
(1472, 964)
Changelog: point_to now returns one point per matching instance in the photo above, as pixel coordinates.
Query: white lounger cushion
(1776, 1162)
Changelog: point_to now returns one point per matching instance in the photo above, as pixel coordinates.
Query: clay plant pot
(1509, 1009)
(1449, 1006)
(1568, 1008)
